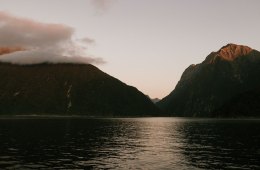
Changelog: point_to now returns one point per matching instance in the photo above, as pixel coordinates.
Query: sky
(144, 43)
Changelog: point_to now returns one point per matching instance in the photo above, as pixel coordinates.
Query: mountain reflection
(150, 143)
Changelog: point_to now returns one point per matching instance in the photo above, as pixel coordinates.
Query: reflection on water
(129, 143)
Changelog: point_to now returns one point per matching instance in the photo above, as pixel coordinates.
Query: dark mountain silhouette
(226, 84)
(68, 89)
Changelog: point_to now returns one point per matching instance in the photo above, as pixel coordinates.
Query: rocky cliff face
(68, 89)
(221, 80)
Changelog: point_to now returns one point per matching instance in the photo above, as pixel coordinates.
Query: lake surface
(129, 143)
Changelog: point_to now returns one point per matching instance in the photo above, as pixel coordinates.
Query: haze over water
(125, 143)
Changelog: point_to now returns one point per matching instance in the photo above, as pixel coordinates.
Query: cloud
(102, 5)
(38, 56)
(25, 41)
(6, 50)
(86, 40)
(16, 31)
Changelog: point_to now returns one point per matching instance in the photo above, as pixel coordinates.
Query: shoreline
(118, 117)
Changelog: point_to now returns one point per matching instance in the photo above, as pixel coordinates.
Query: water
(129, 143)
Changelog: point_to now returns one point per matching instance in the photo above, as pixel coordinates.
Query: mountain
(68, 89)
(155, 100)
(225, 84)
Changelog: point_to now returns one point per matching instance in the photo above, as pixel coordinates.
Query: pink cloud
(43, 42)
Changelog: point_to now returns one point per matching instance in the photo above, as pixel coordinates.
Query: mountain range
(225, 84)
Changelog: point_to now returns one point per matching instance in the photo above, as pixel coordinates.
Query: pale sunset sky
(147, 43)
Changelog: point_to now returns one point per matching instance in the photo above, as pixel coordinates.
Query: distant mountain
(226, 84)
(68, 89)
(155, 100)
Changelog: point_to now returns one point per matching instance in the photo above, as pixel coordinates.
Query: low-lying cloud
(38, 56)
(7, 50)
(25, 41)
